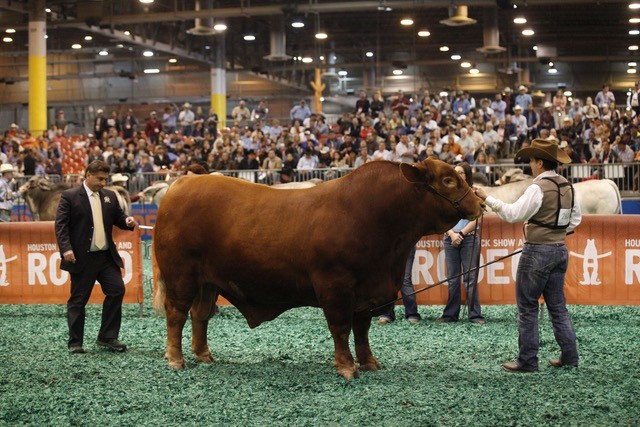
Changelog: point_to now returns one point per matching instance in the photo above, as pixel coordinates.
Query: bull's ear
(413, 173)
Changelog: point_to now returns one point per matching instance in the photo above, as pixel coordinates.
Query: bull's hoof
(371, 366)
(178, 365)
(205, 358)
(348, 372)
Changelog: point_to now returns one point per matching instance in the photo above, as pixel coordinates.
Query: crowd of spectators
(453, 128)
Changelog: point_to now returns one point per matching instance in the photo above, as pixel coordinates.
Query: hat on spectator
(13, 125)
(458, 158)
(118, 177)
(563, 144)
(462, 117)
(522, 87)
(99, 111)
(507, 89)
(517, 107)
(325, 150)
(186, 105)
(547, 104)
(545, 149)
(6, 167)
(566, 119)
(153, 113)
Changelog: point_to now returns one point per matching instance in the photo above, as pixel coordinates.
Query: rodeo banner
(30, 265)
(604, 262)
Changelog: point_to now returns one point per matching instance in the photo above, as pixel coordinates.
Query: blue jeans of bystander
(409, 301)
(460, 259)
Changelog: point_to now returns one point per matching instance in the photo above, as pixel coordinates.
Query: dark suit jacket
(74, 225)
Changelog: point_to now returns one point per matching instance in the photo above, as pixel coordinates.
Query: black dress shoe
(515, 367)
(112, 345)
(76, 349)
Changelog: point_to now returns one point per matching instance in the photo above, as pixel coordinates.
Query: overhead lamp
(10, 30)
(406, 22)
(567, 93)
(173, 60)
(120, 45)
(146, 1)
(103, 53)
(7, 39)
(535, 47)
(632, 64)
(634, 32)
(456, 57)
(76, 46)
(249, 37)
(444, 94)
(88, 38)
(631, 71)
(297, 22)
(474, 70)
(321, 57)
(424, 33)
(307, 59)
(397, 72)
(127, 33)
(369, 54)
(519, 20)
(550, 64)
(321, 35)
(147, 53)
(151, 71)
(633, 47)
(465, 64)
(528, 32)
(47, 10)
(220, 26)
(552, 70)
(634, 6)
(444, 48)
(342, 73)
(634, 20)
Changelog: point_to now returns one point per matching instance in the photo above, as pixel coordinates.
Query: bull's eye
(449, 182)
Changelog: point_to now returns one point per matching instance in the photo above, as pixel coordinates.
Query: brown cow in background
(341, 245)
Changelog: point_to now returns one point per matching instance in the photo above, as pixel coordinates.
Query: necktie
(99, 238)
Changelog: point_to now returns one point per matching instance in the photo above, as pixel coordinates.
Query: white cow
(594, 196)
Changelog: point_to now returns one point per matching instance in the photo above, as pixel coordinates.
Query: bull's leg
(176, 318)
(361, 325)
(203, 308)
(339, 321)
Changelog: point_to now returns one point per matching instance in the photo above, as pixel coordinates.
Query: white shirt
(528, 205)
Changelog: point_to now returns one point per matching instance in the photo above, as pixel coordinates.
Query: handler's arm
(520, 210)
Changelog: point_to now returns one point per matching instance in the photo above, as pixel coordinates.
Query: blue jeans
(409, 301)
(460, 259)
(541, 271)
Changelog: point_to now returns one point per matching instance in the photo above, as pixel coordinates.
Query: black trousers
(100, 267)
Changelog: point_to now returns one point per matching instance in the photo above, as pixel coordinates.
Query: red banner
(30, 265)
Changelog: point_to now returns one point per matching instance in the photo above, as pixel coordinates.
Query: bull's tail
(159, 297)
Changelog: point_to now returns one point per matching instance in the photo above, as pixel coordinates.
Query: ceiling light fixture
(297, 22)
(76, 46)
(127, 33)
(342, 73)
(220, 26)
(151, 71)
(634, 32)
(249, 37)
(474, 70)
(147, 53)
(88, 38)
(444, 48)
(10, 30)
(406, 22)
(369, 54)
(146, 1)
(535, 47)
(567, 93)
(631, 71)
(173, 60)
(634, 20)
(397, 72)
(103, 53)
(321, 58)
(424, 33)
(634, 6)
(47, 10)
(632, 64)
(633, 47)
(520, 20)
(456, 57)
(465, 64)
(307, 60)
(552, 71)
(321, 35)
(528, 32)
(7, 39)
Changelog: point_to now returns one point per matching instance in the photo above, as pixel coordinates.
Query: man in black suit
(84, 222)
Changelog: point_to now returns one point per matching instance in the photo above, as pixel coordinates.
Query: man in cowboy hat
(523, 99)
(549, 211)
(6, 195)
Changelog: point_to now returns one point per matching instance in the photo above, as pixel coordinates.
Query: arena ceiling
(588, 41)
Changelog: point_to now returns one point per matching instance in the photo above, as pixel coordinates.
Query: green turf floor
(281, 373)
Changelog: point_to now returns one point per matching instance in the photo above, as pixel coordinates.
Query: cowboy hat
(186, 105)
(544, 149)
(118, 177)
(522, 87)
(6, 167)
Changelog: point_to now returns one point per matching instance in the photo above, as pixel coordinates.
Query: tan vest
(549, 224)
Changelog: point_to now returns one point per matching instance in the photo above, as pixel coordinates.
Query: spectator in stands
(307, 162)
(523, 99)
(575, 109)
(546, 118)
(363, 157)
(113, 122)
(520, 124)
(633, 100)
(381, 153)
(400, 104)
(462, 248)
(533, 121)
(169, 118)
(300, 112)
(362, 104)
(461, 105)
(240, 114)
(499, 107)
(604, 97)
(185, 119)
(249, 162)
(261, 112)
(129, 125)
(61, 123)
(376, 106)
(7, 195)
(29, 162)
(161, 159)
(446, 155)
(100, 125)
(559, 108)
(153, 128)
